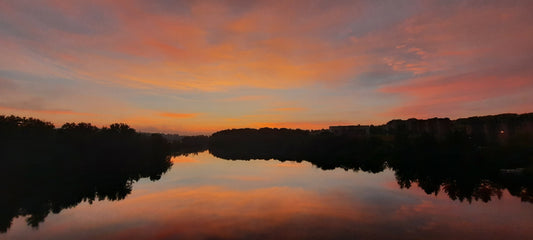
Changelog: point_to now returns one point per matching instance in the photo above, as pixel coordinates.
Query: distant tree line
(468, 159)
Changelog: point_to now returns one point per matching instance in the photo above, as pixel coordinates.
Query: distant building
(351, 130)
(438, 126)
(498, 127)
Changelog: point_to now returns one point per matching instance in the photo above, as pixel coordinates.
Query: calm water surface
(204, 197)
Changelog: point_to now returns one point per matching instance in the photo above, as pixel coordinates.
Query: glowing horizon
(202, 66)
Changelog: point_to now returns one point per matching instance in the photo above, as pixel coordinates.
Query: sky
(196, 67)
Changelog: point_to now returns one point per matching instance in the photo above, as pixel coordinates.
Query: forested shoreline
(467, 159)
(46, 169)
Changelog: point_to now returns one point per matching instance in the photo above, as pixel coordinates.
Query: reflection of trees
(44, 170)
(463, 168)
(466, 163)
(321, 148)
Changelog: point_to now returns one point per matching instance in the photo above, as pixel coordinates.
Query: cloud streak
(229, 59)
(178, 115)
(45, 111)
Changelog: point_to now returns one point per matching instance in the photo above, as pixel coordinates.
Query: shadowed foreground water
(204, 197)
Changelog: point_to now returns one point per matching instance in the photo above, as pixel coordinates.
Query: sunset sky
(194, 67)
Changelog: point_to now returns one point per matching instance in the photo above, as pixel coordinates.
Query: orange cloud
(47, 111)
(308, 53)
(279, 62)
(178, 115)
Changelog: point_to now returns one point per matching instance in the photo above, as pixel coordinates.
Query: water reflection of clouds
(183, 159)
(219, 199)
(290, 164)
(245, 178)
(271, 213)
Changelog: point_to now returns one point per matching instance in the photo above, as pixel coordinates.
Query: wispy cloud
(390, 58)
(290, 109)
(47, 111)
(245, 98)
(178, 115)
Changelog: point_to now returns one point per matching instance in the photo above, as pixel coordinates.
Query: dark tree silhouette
(45, 170)
(467, 159)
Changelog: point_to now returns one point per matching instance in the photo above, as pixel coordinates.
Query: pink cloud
(416, 59)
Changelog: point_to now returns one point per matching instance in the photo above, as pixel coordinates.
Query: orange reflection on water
(203, 197)
(212, 212)
(220, 213)
(183, 159)
(290, 164)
